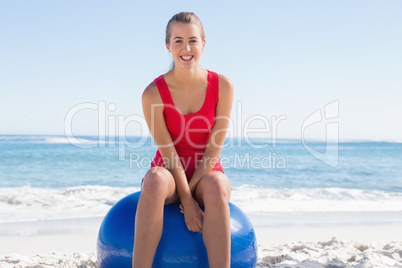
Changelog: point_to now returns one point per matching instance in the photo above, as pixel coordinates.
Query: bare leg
(158, 189)
(213, 192)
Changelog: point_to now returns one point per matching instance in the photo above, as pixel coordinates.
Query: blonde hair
(184, 17)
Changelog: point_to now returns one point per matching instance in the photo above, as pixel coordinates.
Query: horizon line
(343, 140)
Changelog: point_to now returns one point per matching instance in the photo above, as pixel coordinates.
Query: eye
(193, 41)
(178, 41)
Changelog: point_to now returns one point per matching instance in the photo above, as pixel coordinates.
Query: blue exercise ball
(178, 246)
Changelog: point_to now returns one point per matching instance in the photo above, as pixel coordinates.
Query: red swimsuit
(189, 132)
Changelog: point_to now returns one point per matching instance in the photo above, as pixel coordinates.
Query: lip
(187, 57)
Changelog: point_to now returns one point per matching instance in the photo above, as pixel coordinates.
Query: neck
(187, 76)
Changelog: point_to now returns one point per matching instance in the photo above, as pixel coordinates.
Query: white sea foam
(52, 139)
(259, 199)
(62, 139)
(22, 204)
(32, 204)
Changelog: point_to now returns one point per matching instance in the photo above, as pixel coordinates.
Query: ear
(168, 47)
(203, 44)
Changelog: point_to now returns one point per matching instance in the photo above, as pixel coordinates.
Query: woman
(187, 111)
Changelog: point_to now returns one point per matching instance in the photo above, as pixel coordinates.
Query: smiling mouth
(186, 58)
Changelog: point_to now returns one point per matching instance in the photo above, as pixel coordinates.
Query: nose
(186, 46)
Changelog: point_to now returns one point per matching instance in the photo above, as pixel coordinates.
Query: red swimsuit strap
(212, 88)
(163, 90)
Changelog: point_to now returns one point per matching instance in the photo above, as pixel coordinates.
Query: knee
(156, 182)
(216, 189)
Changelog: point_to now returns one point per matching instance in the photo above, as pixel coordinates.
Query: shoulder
(151, 94)
(225, 86)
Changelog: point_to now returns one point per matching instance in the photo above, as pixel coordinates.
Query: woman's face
(185, 44)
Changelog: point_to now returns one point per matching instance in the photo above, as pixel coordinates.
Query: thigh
(160, 177)
(214, 183)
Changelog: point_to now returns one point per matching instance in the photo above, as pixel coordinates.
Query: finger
(193, 227)
(199, 225)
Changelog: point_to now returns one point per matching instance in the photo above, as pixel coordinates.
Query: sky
(301, 69)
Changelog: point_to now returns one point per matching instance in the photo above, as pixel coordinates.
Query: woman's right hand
(193, 215)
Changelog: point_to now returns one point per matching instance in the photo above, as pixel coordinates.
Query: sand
(302, 244)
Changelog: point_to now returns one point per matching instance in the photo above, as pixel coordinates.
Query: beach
(294, 245)
(305, 212)
(309, 91)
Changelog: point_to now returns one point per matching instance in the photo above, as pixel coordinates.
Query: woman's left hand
(193, 216)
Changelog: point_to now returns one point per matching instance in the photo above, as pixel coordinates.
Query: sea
(51, 178)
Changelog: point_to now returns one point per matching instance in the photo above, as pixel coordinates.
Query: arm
(153, 112)
(218, 132)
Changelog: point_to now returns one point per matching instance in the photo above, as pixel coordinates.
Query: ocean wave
(22, 204)
(62, 139)
(234, 141)
(259, 199)
(51, 139)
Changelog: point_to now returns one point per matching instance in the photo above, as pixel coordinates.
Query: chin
(186, 65)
